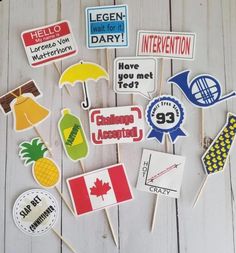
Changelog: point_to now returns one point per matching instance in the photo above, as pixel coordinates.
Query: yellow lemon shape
(214, 166)
(208, 157)
(214, 160)
(219, 157)
(213, 155)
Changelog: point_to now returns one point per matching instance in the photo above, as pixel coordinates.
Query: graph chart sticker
(172, 45)
(216, 156)
(46, 44)
(107, 26)
(203, 91)
(165, 115)
(35, 212)
(134, 75)
(99, 189)
(116, 125)
(161, 173)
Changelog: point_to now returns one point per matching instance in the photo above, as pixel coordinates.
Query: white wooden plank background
(207, 228)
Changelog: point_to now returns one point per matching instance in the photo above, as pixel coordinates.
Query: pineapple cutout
(44, 169)
(215, 158)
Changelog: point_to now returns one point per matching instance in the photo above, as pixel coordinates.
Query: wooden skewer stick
(64, 199)
(111, 227)
(109, 221)
(39, 135)
(82, 166)
(154, 213)
(59, 73)
(64, 241)
(118, 153)
(157, 195)
(108, 63)
(200, 191)
(202, 128)
(161, 76)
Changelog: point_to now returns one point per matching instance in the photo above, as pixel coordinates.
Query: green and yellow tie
(215, 158)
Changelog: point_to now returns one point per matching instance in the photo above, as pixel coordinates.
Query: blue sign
(165, 115)
(203, 91)
(107, 26)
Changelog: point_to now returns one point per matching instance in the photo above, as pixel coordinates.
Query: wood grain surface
(210, 226)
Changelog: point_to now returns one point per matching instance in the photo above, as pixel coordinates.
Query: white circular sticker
(35, 212)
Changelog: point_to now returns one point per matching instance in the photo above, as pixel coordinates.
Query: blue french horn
(203, 91)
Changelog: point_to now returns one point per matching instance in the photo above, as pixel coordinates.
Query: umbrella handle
(86, 103)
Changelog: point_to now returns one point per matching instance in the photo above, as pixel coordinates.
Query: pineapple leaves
(32, 151)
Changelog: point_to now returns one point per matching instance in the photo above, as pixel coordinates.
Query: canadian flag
(99, 189)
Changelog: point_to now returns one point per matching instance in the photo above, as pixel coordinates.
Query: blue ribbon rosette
(174, 129)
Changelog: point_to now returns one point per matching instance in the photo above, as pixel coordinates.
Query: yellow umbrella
(83, 72)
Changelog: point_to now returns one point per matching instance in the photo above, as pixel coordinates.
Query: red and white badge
(99, 189)
(49, 43)
(116, 125)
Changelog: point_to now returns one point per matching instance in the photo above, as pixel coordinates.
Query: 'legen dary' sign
(166, 44)
(116, 125)
(49, 43)
(107, 26)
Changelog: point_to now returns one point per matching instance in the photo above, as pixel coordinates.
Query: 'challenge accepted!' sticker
(35, 212)
(165, 115)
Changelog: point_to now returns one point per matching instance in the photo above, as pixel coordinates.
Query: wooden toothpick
(64, 199)
(111, 227)
(157, 195)
(64, 241)
(154, 213)
(202, 127)
(108, 218)
(82, 165)
(59, 73)
(200, 191)
(39, 134)
(161, 76)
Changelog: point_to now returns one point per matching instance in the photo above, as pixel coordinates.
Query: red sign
(116, 125)
(49, 43)
(173, 45)
(99, 189)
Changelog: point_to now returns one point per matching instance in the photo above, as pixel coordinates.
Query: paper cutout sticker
(134, 75)
(116, 125)
(99, 189)
(50, 43)
(35, 212)
(203, 91)
(83, 72)
(215, 158)
(26, 111)
(44, 170)
(161, 173)
(72, 136)
(171, 45)
(107, 26)
(165, 115)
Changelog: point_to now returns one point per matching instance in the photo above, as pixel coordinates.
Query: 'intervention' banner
(174, 45)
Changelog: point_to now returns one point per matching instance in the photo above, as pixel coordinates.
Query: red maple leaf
(100, 188)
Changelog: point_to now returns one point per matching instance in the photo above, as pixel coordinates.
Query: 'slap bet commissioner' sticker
(35, 212)
(165, 115)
